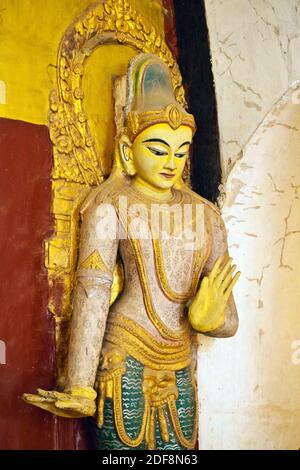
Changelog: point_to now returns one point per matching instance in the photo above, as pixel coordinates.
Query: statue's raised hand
(77, 403)
(207, 310)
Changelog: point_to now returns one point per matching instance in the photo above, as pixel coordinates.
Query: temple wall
(254, 47)
(249, 385)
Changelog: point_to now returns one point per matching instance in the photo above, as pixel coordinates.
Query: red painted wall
(26, 327)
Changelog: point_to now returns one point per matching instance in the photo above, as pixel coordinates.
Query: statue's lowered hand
(207, 310)
(67, 404)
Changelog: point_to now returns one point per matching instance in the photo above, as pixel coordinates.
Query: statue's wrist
(84, 392)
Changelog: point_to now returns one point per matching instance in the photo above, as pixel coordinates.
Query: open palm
(61, 404)
(206, 312)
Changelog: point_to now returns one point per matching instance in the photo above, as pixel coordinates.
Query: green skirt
(133, 405)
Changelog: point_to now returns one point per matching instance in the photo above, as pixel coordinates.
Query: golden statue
(131, 363)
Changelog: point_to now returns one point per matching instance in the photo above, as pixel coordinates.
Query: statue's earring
(126, 153)
(128, 164)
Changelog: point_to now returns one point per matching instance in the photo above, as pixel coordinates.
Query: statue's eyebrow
(157, 140)
(185, 143)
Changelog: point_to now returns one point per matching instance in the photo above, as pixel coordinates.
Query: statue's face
(159, 154)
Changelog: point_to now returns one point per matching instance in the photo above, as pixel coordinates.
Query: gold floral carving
(107, 22)
(77, 165)
(137, 122)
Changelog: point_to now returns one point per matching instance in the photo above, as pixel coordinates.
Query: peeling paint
(275, 189)
(244, 166)
(259, 279)
(252, 104)
(243, 84)
(251, 207)
(237, 185)
(260, 334)
(282, 239)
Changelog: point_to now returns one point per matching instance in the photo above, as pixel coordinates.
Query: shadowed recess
(195, 65)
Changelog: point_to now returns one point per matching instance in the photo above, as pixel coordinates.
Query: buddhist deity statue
(131, 365)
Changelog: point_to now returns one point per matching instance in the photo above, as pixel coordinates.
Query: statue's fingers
(68, 405)
(34, 398)
(49, 404)
(228, 278)
(76, 407)
(63, 396)
(46, 393)
(54, 395)
(215, 268)
(223, 272)
(231, 285)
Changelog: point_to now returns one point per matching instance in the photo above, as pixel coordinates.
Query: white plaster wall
(249, 385)
(255, 55)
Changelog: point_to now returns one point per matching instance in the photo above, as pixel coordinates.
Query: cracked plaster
(255, 57)
(249, 385)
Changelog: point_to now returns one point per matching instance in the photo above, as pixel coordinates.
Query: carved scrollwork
(110, 22)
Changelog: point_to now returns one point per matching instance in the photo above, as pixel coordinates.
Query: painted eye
(180, 155)
(159, 153)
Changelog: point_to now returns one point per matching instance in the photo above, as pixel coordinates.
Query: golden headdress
(151, 97)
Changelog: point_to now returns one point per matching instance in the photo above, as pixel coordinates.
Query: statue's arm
(213, 311)
(97, 257)
(91, 296)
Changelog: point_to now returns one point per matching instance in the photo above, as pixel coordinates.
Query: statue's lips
(167, 175)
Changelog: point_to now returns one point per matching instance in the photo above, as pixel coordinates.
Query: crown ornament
(137, 122)
(151, 97)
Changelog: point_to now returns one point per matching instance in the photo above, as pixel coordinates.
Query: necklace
(163, 279)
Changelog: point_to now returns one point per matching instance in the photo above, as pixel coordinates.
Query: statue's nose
(170, 163)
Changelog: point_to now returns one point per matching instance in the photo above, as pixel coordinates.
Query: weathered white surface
(250, 384)
(255, 54)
